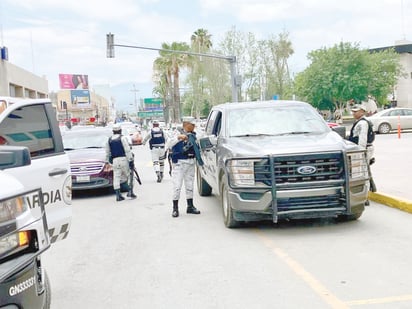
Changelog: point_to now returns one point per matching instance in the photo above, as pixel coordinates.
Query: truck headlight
(358, 168)
(12, 208)
(11, 240)
(10, 244)
(241, 173)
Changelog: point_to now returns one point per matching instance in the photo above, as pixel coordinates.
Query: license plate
(83, 178)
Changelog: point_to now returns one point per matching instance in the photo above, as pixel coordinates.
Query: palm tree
(172, 58)
(200, 43)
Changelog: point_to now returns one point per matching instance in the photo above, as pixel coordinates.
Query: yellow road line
(313, 283)
(383, 300)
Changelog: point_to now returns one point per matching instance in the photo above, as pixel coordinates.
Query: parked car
(340, 129)
(132, 133)
(388, 119)
(87, 154)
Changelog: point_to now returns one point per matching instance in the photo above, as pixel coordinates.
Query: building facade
(17, 82)
(402, 92)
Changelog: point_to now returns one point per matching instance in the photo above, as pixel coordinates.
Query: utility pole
(135, 98)
(235, 80)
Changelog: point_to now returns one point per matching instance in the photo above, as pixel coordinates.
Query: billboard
(74, 81)
(80, 99)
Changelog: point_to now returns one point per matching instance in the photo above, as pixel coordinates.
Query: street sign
(149, 114)
(153, 104)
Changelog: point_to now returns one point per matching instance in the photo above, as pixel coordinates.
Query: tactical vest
(157, 139)
(182, 150)
(116, 147)
(371, 134)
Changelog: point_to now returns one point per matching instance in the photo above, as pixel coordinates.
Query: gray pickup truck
(276, 160)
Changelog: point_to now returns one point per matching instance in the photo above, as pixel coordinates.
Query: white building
(17, 82)
(402, 93)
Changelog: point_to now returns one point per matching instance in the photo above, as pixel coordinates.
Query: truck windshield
(275, 120)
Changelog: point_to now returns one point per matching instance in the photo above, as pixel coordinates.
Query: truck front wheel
(228, 217)
(203, 187)
(47, 292)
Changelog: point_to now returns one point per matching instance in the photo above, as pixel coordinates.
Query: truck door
(34, 125)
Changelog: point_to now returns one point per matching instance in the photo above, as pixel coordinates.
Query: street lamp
(235, 80)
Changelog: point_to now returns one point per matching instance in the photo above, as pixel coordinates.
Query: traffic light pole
(231, 59)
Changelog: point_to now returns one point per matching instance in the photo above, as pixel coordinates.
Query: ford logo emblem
(306, 170)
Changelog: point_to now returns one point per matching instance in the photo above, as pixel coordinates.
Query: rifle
(133, 173)
(136, 174)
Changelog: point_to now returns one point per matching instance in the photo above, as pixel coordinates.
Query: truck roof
(254, 104)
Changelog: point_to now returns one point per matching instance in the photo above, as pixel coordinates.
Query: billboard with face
(74, 81)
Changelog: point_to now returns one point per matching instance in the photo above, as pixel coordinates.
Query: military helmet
(116, 127)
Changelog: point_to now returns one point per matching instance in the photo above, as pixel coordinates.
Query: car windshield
(282, 121)
(81, 140)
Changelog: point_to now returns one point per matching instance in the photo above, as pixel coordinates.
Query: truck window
(213, 124)
(28, 126)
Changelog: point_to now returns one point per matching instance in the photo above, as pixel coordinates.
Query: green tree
(345, 72)
(167, 67)
(275, 53)
(200, 43)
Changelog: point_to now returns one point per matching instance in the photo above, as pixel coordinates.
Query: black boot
(175, 212)
(119, 196)
(131, 194)
(190, 208)
(159, 178)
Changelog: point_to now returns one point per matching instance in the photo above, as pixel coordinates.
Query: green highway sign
(148, 114)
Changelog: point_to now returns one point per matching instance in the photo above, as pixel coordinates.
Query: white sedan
(388, 119)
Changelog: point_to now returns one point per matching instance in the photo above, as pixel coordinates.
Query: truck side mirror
(14, 156)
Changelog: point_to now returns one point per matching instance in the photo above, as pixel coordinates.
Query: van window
(28, 126)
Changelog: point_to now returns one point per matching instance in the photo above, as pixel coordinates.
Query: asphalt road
(133, 254)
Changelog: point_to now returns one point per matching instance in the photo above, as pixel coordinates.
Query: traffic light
(110, 46)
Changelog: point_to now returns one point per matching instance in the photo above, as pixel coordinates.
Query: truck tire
(203, 187)
(351, 217)
(47, 291)
(228, 217)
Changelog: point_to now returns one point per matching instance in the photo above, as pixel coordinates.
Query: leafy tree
(346, 72)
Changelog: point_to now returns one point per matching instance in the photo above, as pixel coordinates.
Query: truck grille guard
(296, 183)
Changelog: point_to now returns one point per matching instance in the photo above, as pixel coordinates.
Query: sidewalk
(392, 171)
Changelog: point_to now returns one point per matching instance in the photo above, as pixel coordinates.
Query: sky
(49, 37)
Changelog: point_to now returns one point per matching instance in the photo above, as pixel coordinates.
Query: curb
(391, 201)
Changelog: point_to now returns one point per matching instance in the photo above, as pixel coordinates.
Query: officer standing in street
(118, 151)
(362, 134)
(157, 141)
(185, 152)
(360, 129)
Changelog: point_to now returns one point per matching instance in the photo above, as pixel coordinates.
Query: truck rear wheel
(228, 217)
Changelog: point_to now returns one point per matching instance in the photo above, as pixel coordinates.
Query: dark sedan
(86, 150)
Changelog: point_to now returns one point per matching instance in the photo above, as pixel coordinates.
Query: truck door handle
(57, 171)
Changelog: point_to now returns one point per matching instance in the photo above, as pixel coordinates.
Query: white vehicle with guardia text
(35, 210)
